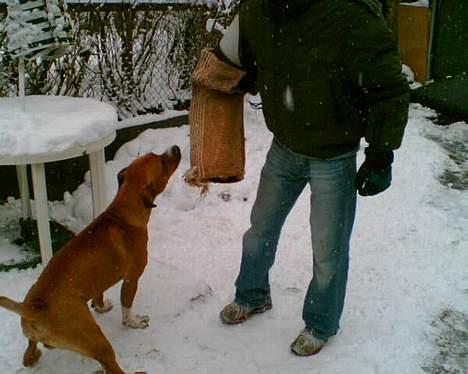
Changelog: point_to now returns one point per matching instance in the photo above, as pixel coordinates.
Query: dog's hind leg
(101, 350)
(96, 346)
(80, 333)
(100, 305)
(32, 354)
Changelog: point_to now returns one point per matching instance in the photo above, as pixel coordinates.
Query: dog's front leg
(128, 291)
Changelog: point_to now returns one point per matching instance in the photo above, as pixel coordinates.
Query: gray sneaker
(234, 313)
(306, 344)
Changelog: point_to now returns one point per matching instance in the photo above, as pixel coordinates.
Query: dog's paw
(30, 358)
(107, 305)
(136, 322)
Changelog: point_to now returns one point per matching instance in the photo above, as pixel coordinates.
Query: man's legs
(333, 205)
(281, 182)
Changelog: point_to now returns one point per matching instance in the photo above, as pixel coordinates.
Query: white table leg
(98, 187)
(42, 211)
(22, 176)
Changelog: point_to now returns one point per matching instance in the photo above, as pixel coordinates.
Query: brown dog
(112, 248)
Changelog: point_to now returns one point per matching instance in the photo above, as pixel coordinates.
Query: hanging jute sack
(216, 121)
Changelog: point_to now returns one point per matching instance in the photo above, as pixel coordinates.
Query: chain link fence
(137, 57)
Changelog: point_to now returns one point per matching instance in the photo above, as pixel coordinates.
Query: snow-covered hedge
(138, 58)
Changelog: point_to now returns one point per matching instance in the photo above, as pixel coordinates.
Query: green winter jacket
(328, 73)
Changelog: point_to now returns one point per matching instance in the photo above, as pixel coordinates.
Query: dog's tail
(11, 305)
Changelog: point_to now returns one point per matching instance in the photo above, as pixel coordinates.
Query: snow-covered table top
(53, 128)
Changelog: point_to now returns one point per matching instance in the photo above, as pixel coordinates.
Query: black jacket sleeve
(372, 64)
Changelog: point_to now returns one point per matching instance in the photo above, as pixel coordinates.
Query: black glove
(375, 173)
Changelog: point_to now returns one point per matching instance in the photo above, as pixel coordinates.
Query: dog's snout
(174, 150)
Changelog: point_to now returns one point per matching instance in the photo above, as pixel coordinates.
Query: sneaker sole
(307, 354)
(244, 318)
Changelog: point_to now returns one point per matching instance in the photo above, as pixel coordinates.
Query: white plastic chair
(35, 28)
(43, 29)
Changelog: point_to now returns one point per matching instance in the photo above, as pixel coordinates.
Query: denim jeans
(332, 211)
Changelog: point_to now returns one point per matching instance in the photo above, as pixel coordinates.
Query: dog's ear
(121, 176)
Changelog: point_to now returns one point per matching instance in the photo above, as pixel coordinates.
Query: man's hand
(375, 173)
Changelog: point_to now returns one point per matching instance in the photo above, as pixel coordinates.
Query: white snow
(149, 118)
(32, 129)
(37, 27)
(408, 263)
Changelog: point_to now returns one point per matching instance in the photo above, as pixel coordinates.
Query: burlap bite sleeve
(216, 121)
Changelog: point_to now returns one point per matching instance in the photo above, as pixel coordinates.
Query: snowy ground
(407, 298)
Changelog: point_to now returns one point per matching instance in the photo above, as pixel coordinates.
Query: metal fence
(137, 57)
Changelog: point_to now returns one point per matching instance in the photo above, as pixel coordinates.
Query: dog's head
(148, 175)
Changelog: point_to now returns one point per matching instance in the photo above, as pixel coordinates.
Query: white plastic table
(38, 129)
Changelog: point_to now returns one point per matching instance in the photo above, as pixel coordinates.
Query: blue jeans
(332, 211)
